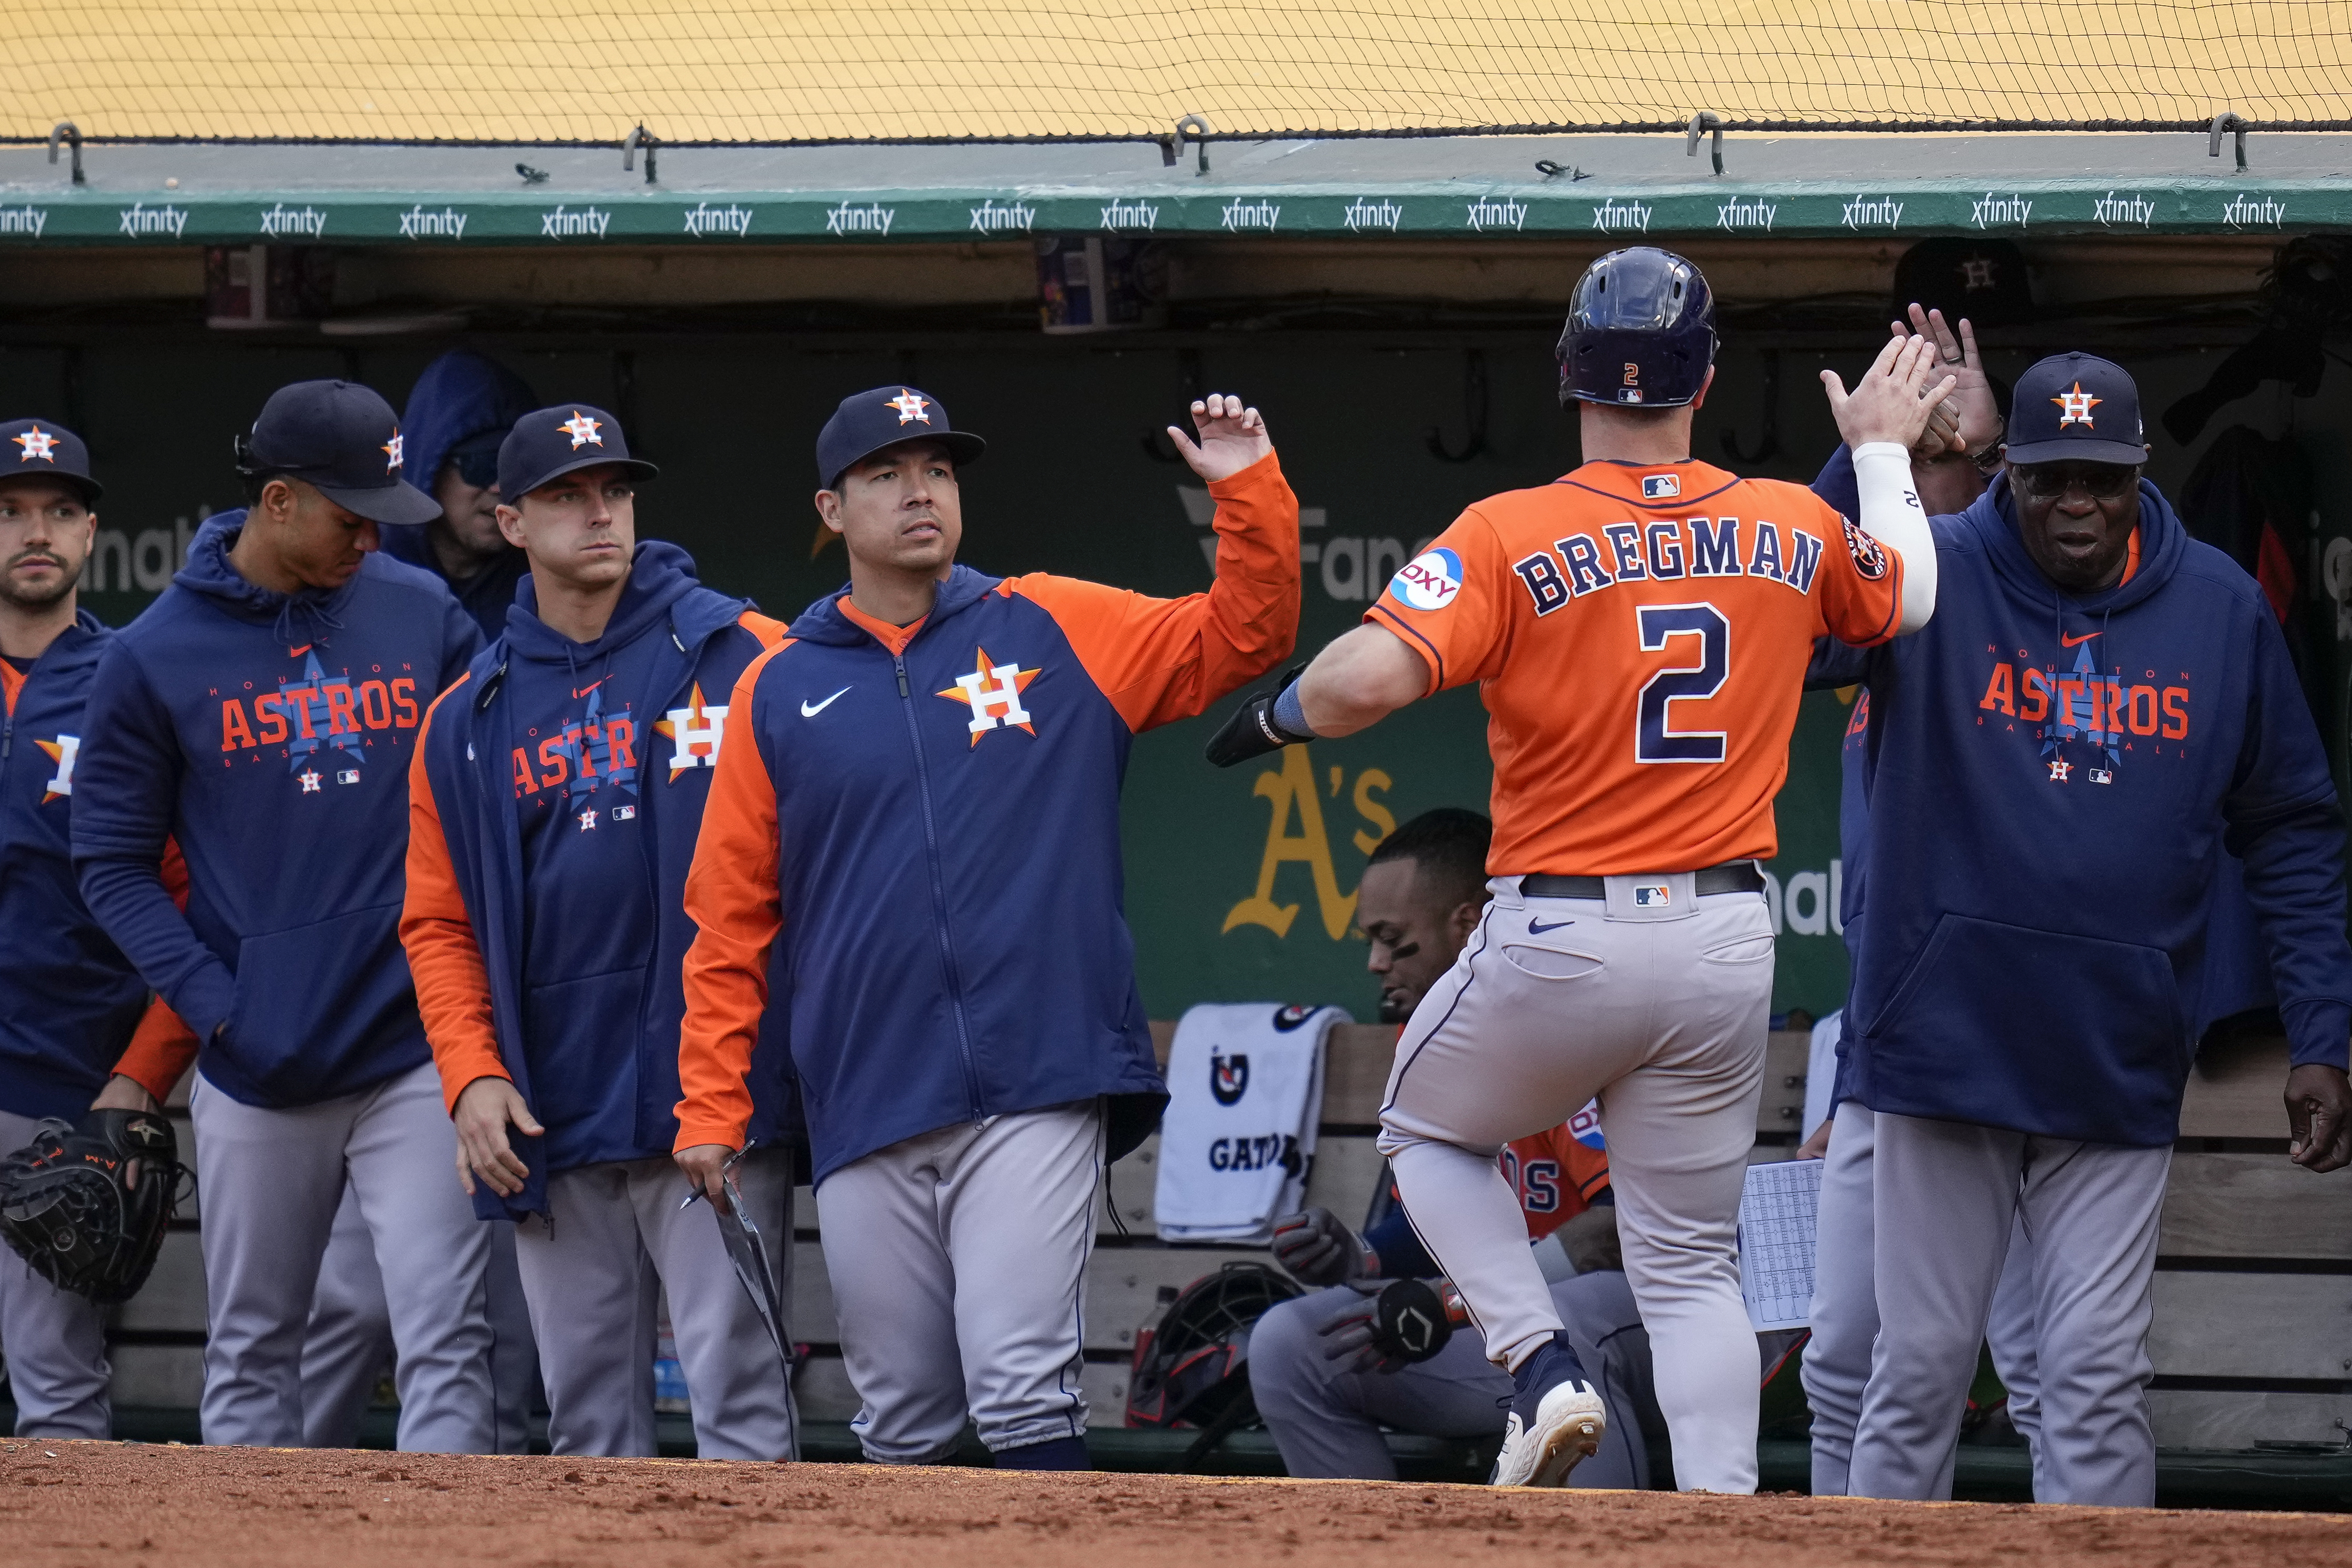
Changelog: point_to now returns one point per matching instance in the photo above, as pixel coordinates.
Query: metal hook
(1473, 412)
(2227, 120)
(1770, 444)
(1156, 444)
(640, 137)
(1198, 128)
(1706, 119)
(66, 131)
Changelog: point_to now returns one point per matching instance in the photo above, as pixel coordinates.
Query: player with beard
(69, 1001)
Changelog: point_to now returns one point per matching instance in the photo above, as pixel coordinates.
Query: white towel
(1246, 1094)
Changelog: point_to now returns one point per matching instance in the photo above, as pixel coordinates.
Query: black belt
(1732, 876)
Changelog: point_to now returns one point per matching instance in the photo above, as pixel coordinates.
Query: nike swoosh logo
(583, 691)
(1536, 927)
(2076, 642)
(810, 711)
(298, 653)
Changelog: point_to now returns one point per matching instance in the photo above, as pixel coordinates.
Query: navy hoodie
(270, 735)
(68, 999)
(556, 801)
(461, 394)
(2060, 778)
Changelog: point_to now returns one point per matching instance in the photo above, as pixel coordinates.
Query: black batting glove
(1252, 731)
(1317, 1250)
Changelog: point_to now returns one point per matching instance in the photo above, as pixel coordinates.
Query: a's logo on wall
(1228, 1078)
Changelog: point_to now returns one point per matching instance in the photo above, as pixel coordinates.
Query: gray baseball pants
(1328, 1422)
(1657, 1005)
(347, 1346)
(2090, 1211)
(593, 1271)
(272, 1180)
(958, 1260)
(1846, 1315)
(54, 1342)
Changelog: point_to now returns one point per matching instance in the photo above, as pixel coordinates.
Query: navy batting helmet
(1641, 330)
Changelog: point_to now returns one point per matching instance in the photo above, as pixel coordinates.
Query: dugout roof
(511, 71)
(1482, 190)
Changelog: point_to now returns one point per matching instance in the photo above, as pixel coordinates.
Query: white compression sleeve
(1892, 514)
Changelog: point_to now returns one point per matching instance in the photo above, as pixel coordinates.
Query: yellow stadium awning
(731, 71)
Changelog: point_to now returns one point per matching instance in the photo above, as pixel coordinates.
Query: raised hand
(1892, 400)
(1232, 437)
(1971, 402)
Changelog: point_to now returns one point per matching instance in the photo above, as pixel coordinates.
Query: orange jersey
(1556, 1174)
(1640, 637)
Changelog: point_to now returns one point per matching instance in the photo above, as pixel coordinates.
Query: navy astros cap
(552, 442)
(48, 449)
(2076, 408)
(341, 438)
(870, 421)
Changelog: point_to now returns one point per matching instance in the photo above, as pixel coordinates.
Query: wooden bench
(2254, 1294)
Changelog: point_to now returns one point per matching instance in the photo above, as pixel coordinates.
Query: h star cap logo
(582, 430)
(2075, 407)
(695, 732)
(36, 443)
(994, 693)
(909, 406)
(392, 450)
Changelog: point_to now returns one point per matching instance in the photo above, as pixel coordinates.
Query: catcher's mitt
(86, 1205)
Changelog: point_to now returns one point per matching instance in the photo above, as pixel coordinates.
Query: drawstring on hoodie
(322, 621)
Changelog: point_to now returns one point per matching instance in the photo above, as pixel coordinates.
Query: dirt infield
(69, 1505)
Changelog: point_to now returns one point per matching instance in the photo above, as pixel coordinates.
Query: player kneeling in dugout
(917, 812)
(1321, 1376)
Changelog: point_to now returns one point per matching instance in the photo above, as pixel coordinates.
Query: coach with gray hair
(2053, 768)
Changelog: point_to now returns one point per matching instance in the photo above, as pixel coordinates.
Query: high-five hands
(1894, 399)
(1232, 437)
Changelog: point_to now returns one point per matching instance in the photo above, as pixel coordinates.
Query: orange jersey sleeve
(453, 988)
(1159, 660)
(1556, 1177)
(1639, 636)
(737, 906)
(163, 1048)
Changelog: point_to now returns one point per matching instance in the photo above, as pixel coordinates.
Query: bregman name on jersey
(1663, 551)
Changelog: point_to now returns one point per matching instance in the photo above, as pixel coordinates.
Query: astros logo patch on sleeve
(1430, 581)
(1869, 555)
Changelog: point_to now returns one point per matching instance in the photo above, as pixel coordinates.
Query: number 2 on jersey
(1654, 740)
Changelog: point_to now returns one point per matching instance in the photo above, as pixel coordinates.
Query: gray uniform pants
(593, 1270)
(1846, 1315)
(272, 1180)
(1328, 1422)
(1656, 1003)
(54, 1342)
(347, 1346)
(958, 1260)
(1949, 1195)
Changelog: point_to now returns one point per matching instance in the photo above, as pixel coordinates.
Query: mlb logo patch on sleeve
(1429, 582)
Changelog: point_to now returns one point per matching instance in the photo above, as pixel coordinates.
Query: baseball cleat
(1567, 1430)
(1557, 1420)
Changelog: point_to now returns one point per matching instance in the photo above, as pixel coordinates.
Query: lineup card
(1776, 1243)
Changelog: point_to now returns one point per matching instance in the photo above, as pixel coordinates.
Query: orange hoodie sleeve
(1160, 660)
(162, 1048)
(732, 897)
(453, 986)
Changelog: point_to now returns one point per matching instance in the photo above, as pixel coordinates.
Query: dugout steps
(2251, 1338)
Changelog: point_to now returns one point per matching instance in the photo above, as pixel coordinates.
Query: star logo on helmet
(909, 407)
(2075, 407)
(36, 443)
(582, 430)
(392, 450)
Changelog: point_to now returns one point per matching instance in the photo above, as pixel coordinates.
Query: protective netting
(741, 71)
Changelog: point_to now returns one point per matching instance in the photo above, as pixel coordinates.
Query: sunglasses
(477, 464)
(2051, 481)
